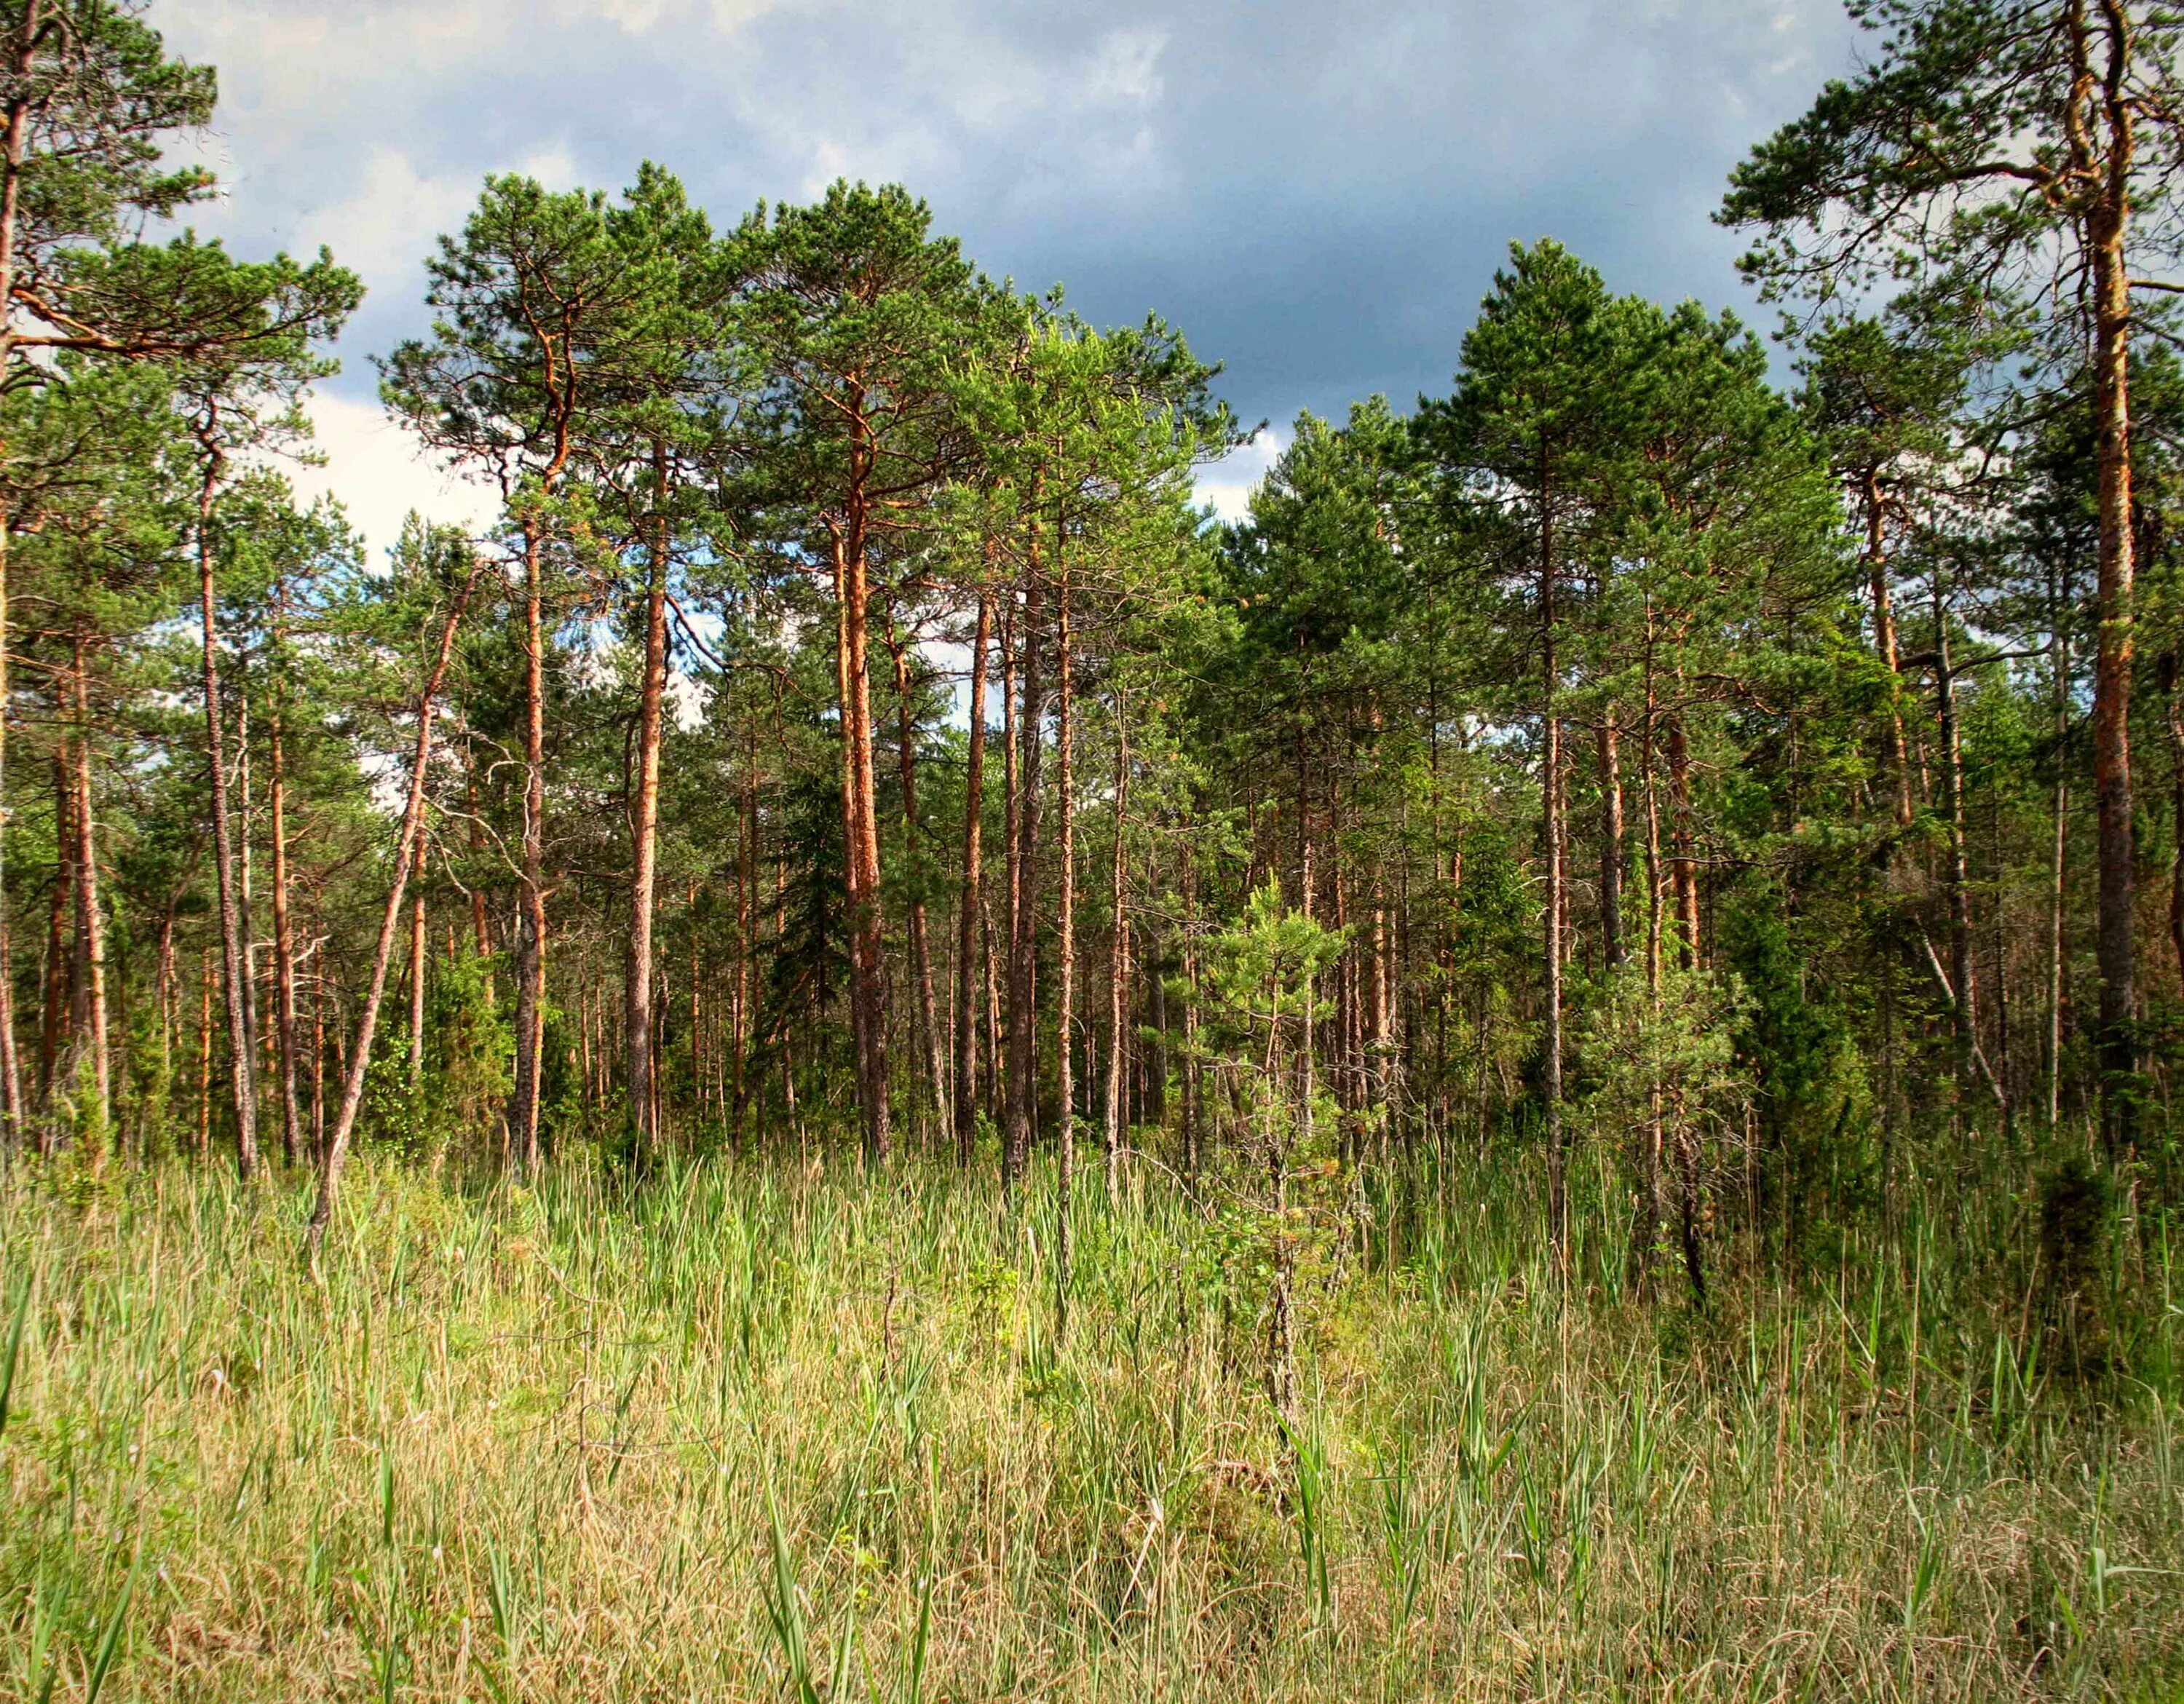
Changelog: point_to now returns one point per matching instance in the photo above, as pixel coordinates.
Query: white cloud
(1227, 484)
(380, 473)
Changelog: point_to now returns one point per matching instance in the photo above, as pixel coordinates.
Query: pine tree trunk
(531, 942)
(1610, 738)
(417, 996)
(1964, 991)
(1884, 636)
(1023, 945)
(234, 972)
(644, 841)
(90, 927)
(55, 1014)
(746, 899)
(1550, 788)
(1118, 955)
(861, 846)
(2106, 227)
(2059, 689)
(205, 1056)
(968, 907)
(921, 951)
(1683, 861)
(1066, 928)
(284, 941)
(335, 1154)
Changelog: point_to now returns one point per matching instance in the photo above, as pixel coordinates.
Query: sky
(1316, 193)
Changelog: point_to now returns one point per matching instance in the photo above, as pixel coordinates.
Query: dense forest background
(1729, 800)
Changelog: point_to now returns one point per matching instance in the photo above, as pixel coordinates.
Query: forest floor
(780, 1432)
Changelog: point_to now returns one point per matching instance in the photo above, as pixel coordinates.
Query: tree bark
(91, 928)
(1683, 861)
(1611, 840)
(969, 905)
(2059, 691)
(234, 924)
(1550, 788)
(1884, 635)
(335, 1154)
(417, 996)
(284, 941)
(1966, 1004)
(1023, 945)
(921, 949)
(859, 811)
(1118, 955)
(1066, 929)
(644, 839)
(2107, 224)
(30, 31)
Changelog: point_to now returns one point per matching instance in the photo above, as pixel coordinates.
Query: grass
(776, 1433)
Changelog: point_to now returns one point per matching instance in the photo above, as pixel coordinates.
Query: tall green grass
(766, 1432)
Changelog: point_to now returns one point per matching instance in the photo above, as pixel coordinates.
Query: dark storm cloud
(1317, 194)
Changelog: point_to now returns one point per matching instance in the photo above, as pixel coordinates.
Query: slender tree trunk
(284, 941)
(335, 1154)
(2059, 690)
(90, 927)
(921, 951)
(1683, 861)
(746, 901)
(31, 32)
(969, 906)
(1655, 910)
(868, 960)
(205, 1054)
(530, 944)
(644, 838)
(417, 995)
(1966, 1002)
(1024, 945)
(56, 1011)
(234, 922)
(319, 1065)
(1118, 953)
(1551, 791)
(1884, 636)
(1065, 1050)
(2106, 225)
(1612, 854)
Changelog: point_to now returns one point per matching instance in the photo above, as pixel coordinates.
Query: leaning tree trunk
(335, 1155)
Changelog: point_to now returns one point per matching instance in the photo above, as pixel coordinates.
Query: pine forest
(860, 1053)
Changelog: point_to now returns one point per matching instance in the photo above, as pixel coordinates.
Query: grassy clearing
(769, 1432)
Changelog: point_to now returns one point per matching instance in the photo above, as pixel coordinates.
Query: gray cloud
(1317, 194)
